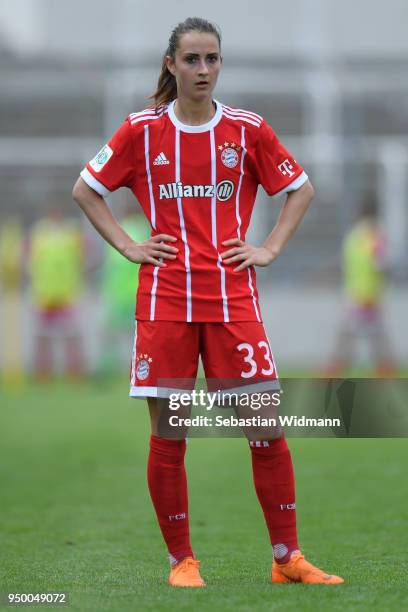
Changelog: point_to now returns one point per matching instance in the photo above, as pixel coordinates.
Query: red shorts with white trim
(234, 355)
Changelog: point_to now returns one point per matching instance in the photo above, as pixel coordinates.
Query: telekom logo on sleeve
(286, 168)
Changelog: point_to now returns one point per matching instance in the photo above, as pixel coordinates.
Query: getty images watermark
(240, 402)
(341, 408)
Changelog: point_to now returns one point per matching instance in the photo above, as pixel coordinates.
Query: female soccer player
(195, 165)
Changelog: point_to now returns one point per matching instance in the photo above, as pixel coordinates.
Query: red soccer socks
(166, 477)
(275, 487)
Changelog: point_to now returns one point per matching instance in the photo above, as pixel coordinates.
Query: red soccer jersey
(197, 183)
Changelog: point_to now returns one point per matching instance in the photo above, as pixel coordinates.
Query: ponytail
(166, 90)
(166, 86)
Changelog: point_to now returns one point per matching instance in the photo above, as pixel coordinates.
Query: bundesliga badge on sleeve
(101, 158)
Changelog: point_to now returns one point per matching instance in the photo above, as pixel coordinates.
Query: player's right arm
(99, 214)
(114, 167)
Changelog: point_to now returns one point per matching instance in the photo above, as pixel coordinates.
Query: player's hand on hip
(246, 254)
(153, 250)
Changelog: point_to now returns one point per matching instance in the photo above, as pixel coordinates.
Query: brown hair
(166, 90)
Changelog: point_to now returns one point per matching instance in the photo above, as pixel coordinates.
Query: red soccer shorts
(165, 357)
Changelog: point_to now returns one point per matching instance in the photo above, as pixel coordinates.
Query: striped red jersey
(197, 183)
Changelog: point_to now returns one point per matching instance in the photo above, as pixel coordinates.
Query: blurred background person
(364, 266)
(119, 280)
(11, 248)
(56, 274)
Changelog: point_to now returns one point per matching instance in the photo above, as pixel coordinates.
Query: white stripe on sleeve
(296, 184)
(91, 181)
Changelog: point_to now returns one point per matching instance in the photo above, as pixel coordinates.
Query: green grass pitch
(75, 514)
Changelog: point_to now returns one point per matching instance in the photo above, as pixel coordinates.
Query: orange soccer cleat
(297, 569)
(186, 574)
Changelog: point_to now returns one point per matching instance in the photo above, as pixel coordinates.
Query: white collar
(204, 127)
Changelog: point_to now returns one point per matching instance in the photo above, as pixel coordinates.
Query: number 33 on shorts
(253, 368)
(239, 351)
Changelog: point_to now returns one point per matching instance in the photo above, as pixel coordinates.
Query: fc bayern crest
(229, 157)
(143, 366)
(229, 154)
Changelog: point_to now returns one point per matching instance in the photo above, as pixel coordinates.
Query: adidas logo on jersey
(161, 160)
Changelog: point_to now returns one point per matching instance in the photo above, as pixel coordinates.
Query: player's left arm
(293, 211)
